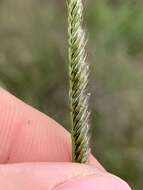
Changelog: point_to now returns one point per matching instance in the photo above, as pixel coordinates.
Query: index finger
(27, 135)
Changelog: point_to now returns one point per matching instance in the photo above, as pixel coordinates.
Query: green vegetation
(33, 66)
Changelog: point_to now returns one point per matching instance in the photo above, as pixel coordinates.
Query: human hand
(35, 153)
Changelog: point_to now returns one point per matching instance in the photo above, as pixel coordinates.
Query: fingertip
(28, 135)
(94, 162)
(108, 182)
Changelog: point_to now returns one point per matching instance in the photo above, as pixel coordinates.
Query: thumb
(57, 176)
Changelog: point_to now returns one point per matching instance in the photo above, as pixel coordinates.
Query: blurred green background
(33, 66)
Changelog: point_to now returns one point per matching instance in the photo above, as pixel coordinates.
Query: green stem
(78, 74)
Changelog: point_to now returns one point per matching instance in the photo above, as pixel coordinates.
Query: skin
(35, 153)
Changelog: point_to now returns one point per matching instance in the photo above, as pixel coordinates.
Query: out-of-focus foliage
(33, 66)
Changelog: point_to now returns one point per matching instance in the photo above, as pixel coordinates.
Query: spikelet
(78, 74)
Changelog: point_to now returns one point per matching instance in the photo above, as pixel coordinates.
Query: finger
(57, 176)
(27, 135)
